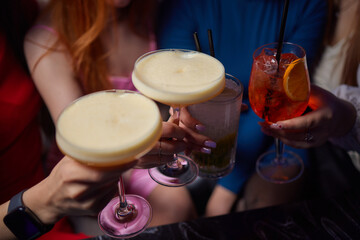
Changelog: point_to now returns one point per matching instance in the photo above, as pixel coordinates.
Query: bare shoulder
(42, 35)
(40, 41)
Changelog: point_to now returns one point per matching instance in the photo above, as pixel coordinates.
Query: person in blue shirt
(238, 28)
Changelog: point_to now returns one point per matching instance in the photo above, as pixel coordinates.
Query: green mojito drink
(220, 116)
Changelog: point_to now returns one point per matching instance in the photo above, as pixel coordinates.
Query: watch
(22, 222)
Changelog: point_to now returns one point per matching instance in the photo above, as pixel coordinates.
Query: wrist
(22, 221)
(40, 206)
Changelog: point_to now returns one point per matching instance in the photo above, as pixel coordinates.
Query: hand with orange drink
(330, 117)
(279, 89)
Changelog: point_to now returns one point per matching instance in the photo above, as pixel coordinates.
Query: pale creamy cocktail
(110, 129)
(178, 78)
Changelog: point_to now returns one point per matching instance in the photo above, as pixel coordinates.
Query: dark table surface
(331, 210)
(336, 217)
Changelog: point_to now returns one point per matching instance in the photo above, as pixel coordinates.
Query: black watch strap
(16, 201)
(22, 222)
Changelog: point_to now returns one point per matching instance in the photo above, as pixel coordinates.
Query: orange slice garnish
(296, 83)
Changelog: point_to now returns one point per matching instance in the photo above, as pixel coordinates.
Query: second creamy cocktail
(178, 78)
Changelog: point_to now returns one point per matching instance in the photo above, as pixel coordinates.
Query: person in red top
(20, 139)
(20, 136)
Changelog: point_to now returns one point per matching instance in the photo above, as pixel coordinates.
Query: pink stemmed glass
(110, 129)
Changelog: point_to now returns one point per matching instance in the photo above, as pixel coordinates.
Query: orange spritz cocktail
(279, 89)
(278, 92)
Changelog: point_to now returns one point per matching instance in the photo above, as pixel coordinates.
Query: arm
(5, 233)
(350, 141)
(52, 72)
(71, 189)
(331, 117)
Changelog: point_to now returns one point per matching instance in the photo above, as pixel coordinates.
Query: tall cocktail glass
(279, 92)
(110, 129)
(178, 78)
(220, 116)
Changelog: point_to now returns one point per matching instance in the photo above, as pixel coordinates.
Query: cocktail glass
(279, 92)
(178, 78)
(110, 129)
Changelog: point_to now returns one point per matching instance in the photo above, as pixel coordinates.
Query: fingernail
(205, 150)
(209, 143)
(200, 127)
(276, 126)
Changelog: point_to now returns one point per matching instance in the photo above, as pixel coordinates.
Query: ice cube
(267, 64)
(269, 52)
(286, 59)
(266, 61)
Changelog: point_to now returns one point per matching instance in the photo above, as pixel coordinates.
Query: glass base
(286, 170)
(178, 174)
(129, 226)
(215, 173)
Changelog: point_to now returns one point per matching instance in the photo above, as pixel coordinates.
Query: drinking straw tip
(197, 42)
(211, 43)
(282, 31)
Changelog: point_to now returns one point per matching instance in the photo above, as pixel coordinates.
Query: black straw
(197, 42)
(211, 43)
(282, 31)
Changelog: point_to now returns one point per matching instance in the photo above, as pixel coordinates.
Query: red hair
(79, 24)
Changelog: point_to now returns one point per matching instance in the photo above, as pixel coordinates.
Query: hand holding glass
(279, 91)
(178, 78)
(109, 129)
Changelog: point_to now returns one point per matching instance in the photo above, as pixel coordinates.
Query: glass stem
(175, 164)
(124, 210)
(123, 203)
(279, 151)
